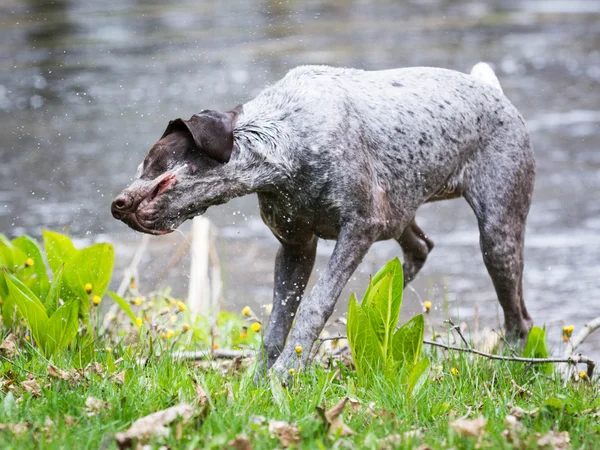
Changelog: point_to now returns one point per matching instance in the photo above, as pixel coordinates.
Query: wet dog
(349, 155)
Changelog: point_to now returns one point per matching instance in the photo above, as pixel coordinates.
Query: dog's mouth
(141, 215)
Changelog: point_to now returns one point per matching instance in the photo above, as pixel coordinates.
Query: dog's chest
(289, 218)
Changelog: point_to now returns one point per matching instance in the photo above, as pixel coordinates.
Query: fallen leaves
(241, 442)
(155, 424)
(469, 428)
(94, 406)
(288, 433)
(32, 386)
(336, 427)
(8, 348)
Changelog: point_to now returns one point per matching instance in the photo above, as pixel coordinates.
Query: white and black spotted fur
(350, 155)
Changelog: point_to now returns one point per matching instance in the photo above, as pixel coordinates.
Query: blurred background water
(86, 87)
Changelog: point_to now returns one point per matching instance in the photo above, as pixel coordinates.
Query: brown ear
(212, 132)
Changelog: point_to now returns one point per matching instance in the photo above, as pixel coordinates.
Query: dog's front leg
(352, 245)
(293, 265)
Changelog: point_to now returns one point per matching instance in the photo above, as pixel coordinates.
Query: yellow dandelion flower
(427, 306)
(298, 350)
(454, 371)
(27, 338)
(139, 321)
(108, 350)
(181, 306)
(29, 262)
(255, 327)
(185, 327)
(243, 335)
(88, 288)
(246, 311)
(215, 346)
(137, 301)
(163, 335)
(132, 285)
(170, 334)
(567, 332)
(583, 375)
(96, 300)
(291, 371)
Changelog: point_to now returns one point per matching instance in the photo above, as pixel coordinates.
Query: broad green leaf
(92, 265)
(59, 249)
(408, 341)
(34, 277)
(536, 348)
(417, 377)
(62, 327)
(382, 303)
(124, 306)
(31, 308)
(395, 267)
(364, 345)
(54, 292)
(279, 394)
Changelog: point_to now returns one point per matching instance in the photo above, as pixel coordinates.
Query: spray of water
(191, 248)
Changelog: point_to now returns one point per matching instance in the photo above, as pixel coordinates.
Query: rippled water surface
(87, 86)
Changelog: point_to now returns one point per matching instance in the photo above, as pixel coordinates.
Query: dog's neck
(260, 159)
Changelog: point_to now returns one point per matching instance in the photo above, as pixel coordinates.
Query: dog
(349, 155)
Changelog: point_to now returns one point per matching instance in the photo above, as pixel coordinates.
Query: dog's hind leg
(415, 247)
(500, 191)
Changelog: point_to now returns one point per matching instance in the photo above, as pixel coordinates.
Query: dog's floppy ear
(212, 132)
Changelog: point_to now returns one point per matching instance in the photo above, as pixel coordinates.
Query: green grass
(481, 388)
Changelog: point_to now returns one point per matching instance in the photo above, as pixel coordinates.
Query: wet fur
(351, 155)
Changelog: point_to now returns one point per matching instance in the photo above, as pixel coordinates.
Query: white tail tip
(483, 72)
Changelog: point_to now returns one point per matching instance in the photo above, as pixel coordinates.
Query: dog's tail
(484, 73)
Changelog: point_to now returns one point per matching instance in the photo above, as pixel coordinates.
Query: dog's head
(176, 181)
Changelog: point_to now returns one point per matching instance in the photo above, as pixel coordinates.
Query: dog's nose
(121, 205)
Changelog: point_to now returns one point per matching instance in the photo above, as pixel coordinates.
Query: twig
(457, 329)
(573, 360)
(215, 354)
(587, 329)
(576, 359)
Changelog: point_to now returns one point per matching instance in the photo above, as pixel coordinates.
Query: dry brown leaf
(354, 405)
(8, 348)
(514, 430)
(70, 420)
(519, 412)
(201, 395)
(336, 426)
(469, 428)
(32, 386)
(288, 433)
(94, 405)
(395, 440)
(241, 442)
(18, 428)
(554, 441)
(154, 424)
(119, 378)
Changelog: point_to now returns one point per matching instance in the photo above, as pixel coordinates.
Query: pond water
(86, 86)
